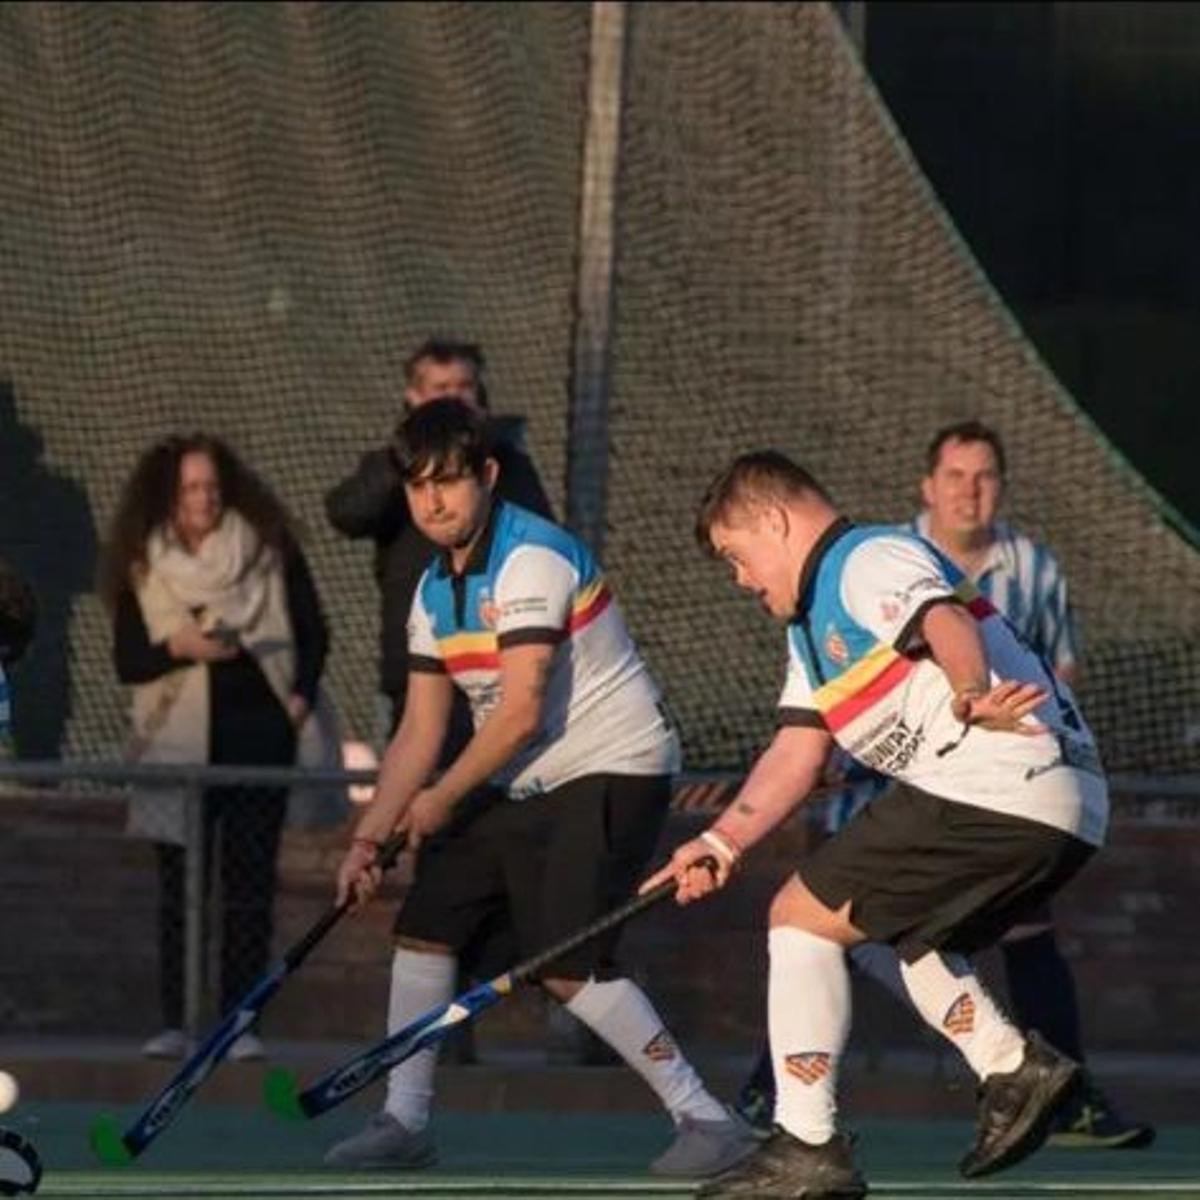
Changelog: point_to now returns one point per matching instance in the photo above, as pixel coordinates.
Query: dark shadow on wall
(48, 534)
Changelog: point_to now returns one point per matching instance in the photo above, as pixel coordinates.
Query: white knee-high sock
(808, 1015)
(618, 1011)
(882, 964)
(948, 994)
(419, 982)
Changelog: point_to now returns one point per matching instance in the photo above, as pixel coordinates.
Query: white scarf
(238, 584)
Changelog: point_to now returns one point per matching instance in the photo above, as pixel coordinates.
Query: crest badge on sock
(960, 1016)
(810, 1066)
(660, 1048)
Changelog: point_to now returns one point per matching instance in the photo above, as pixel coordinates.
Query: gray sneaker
(704, 1148)
(385, 1144)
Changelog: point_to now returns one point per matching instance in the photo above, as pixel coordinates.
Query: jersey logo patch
(489, 610)
(810, 1066)
(660, 1048)
(835, 647)
(890, 610)
(960, 1017)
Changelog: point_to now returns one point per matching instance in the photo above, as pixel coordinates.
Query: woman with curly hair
(219, 632)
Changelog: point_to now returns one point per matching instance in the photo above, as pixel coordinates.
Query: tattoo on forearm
(743, 806)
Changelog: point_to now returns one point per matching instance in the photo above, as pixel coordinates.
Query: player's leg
(808, 1017)
(456, 891)
(975, 872)
(591, 841)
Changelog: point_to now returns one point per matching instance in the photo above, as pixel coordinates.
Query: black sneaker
(1089, 1121)
(784, 1166)
(1016, 1108)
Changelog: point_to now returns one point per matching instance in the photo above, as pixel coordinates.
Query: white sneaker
(705, 1148)
(384, 1145)
(171, 1043)
(247, 1048)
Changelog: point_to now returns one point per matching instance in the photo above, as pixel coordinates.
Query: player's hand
(696, 870)
(1003, 708)
(428, 812)
(359, 875)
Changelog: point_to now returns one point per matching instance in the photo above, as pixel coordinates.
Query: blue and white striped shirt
(1024, 581)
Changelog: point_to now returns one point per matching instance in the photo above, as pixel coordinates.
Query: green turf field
(217, 1151)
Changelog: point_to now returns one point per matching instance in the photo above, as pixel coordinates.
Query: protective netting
(788, 279)
(241, 216)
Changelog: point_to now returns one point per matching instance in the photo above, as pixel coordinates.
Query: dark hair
(447, 435)
(147, 503)
(964, 431)
(444, 351)
(756, 477)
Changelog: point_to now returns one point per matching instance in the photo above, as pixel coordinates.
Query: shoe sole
(705, 1193)
(1129, 1139)
(1031, 1129)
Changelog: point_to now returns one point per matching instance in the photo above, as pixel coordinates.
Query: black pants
(242, 827)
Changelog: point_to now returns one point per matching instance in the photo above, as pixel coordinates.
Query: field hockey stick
(113, 1147)
(280, 1089)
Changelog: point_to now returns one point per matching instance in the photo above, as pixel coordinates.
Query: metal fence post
(194, 894)
(587, 431)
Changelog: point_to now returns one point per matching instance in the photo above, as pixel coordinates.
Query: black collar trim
(808, 572)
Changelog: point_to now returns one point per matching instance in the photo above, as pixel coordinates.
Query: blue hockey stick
(280, 1089)
(113, 1147)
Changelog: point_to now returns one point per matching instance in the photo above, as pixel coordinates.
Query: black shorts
(518, 876)
(923, 873)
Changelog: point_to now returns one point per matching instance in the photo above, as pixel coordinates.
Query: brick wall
(79, 948)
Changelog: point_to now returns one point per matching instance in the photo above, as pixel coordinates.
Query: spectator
(370, 503)
(219, 632)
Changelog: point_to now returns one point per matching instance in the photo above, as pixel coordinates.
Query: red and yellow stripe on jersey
(883, 668)
(592, 600)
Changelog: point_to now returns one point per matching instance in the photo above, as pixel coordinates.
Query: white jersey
(529, 581)
(857, 667)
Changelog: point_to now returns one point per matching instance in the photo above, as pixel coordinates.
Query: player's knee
(795, 906)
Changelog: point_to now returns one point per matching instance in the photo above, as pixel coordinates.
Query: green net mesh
(240, 217)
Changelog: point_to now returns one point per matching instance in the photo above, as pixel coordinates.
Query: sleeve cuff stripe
(421, 662)
(806, 718)
(912, 626)
(530, 637)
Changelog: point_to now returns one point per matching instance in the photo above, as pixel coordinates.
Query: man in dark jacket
(370, 503)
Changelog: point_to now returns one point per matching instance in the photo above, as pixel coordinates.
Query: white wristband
(714, 841)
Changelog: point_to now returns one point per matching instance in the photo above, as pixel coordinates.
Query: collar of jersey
(477, 563)
(808, 572)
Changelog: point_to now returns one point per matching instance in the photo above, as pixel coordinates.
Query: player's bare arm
(408, 762)
(781, 780)
(957, 647)
(524, 677)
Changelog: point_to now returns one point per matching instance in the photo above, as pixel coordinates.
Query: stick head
(20, 1167)
(282, 1094)
(107, 1144)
